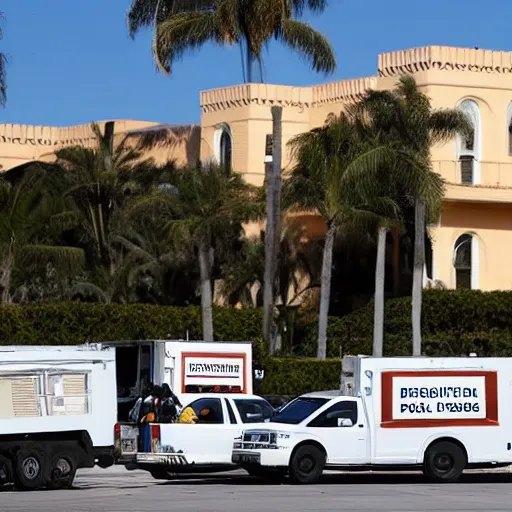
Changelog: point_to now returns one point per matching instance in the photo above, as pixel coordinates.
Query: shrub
(286, 376)
(453, 323)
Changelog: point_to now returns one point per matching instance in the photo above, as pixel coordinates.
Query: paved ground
(116, 490)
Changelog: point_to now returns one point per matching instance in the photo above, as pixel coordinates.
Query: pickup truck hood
(272, 427)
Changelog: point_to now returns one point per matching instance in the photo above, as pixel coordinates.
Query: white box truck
(439, 415)
(190, 368)
(57, 413)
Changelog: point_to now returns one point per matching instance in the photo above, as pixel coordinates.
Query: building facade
(471, 241)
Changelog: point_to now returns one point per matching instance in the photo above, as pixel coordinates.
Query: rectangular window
(68, 394)
(19, 397)
(466, 169)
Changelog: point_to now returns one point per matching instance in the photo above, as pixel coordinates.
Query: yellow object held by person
(188, 416)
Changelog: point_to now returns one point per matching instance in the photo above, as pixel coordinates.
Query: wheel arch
(309, 442)
(431, 441)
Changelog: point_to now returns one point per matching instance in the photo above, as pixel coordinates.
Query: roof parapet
(446, 58)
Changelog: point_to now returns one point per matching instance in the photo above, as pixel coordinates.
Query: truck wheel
(61, 470)
(307, 465)
(29, 468)
(5, 470)
(445, 462)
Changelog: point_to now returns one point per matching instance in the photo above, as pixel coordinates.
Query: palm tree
(184, 25)
(98, 180)
(3, 65)
(273, 228)
(27, 214)
(295, 275)
(324, 179)
(406, 116)
(202, 211)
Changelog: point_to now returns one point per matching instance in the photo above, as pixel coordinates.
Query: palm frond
(142, 13)
(3, 72)
(90, 290)
(310, 44)
(181, 33)
(67, 260)
(298, 7)
(445, 124)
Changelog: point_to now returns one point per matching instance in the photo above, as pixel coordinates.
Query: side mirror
(345, 422)
(254, 415)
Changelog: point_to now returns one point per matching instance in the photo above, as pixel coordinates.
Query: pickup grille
(255, 440)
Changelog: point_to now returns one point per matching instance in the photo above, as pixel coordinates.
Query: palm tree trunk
(396, 262)
(250, 60)
(325, 293)
(206, 292)
(417, 282)
(380, 270)
(273, 229)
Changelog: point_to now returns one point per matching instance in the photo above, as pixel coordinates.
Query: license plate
(246, 458)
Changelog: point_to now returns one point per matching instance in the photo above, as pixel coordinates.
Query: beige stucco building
(473, 237)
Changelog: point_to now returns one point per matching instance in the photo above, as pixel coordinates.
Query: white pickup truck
(202, 447)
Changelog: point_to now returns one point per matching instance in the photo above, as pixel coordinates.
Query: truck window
(208, 410)
(345, 409)
(299, 409)
(254, 411)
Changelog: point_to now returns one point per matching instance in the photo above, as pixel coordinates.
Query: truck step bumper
(163, 459)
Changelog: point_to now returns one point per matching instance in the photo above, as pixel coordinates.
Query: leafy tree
(329, 161)
(27, 217)
(184, 25)
(203, 210)
(98, 184)
(406, 116)
(296, 273)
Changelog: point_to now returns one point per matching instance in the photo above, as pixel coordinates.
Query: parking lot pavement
(117, 490)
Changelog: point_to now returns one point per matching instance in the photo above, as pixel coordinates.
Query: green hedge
(453, 323)
(287, 376)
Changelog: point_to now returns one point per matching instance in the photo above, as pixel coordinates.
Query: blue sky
(72, 62)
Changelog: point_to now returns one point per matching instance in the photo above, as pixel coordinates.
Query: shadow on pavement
(339, 479)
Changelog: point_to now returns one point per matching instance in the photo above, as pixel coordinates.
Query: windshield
(254, 411)
(299, 410)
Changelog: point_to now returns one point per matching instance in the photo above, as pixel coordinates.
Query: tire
(61, 470)
(307, 465)
(6, 475)
(444, 462)
(29, 468)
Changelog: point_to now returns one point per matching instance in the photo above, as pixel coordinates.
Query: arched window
(224, 147)
(466, 262)
(469, 146)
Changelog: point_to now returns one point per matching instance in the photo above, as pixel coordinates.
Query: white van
(440, 415)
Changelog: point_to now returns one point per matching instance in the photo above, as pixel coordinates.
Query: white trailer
(57, 412)
(440, 415)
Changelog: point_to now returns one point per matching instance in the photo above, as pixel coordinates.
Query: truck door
(343, 430)
(208, 441)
